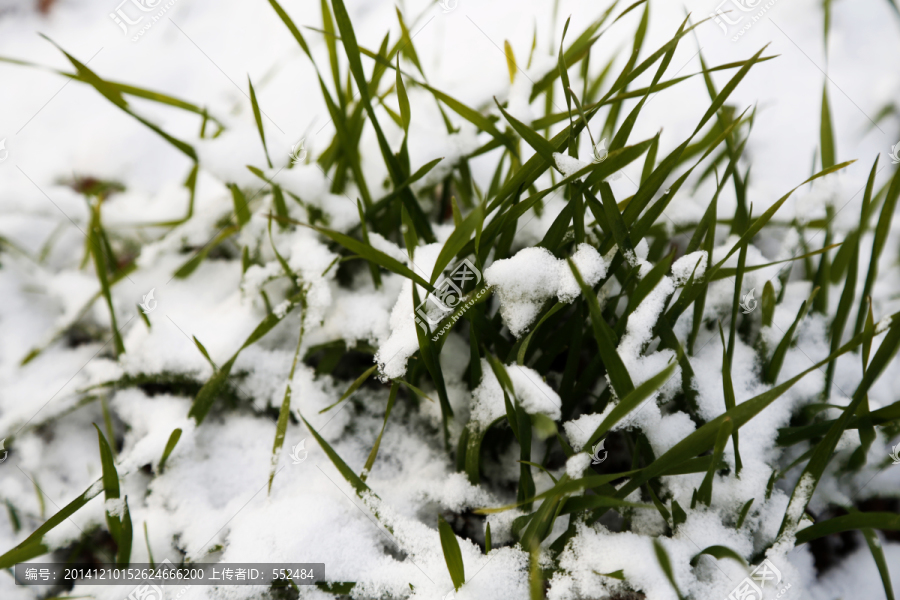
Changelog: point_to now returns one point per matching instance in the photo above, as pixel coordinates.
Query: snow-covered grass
(491, 344)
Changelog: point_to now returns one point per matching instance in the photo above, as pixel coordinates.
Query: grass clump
(630, 327)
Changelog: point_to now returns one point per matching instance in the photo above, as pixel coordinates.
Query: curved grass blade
(719, 552)
(858, 520)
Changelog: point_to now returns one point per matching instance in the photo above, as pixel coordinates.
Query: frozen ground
(212, 500)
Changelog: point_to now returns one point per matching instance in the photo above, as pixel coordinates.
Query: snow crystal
(693, 263)
(568, 165)
(115, 507)
(527, 280)
(578, 431)
(577, 465)
(534, 395)
(523, 283)
(591, 266)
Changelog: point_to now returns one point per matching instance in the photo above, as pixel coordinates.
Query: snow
(534, 395)
(577, 465)
(531, 277)
(568, 165)
(213, 493)
(694, 264)
(115, 507)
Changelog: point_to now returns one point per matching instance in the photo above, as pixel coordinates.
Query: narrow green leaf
(257, 115)
(348, 38)
(457, 241)
(403, 99)
(119, 526)
(387, 413)
(824, 450)
(543, 148)
(663, 558)
(882, 230)
(859, 520)
(170, 446)
(207, 395)
(358, 484)
(452, 553)
(773, 368)
(878, 554)
(32, 546)
(353, 387)
(376, 256)
(241, 210)
(618, 373)
(719, 552)
(510, 60)
(704, 494)
(630, 402)
(826, 131)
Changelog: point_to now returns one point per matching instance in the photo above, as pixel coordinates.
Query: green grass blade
(101, 266)
(541, 146)
(170, 446)
(631, 402)
(452, 553)
(663, 558)
(358, 484)
(353, 387)
(882, 230)
(704, 494)
(348, 37)
(119, 526)
(376, 256)
(457, 241)
(878, 554)
(32, 546)
(257, 116)
(606, 340)
(387, 413)
(885, 521)
(824, 450)
(826, 132)
(719, 552)
(773, 367)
